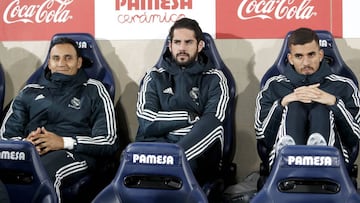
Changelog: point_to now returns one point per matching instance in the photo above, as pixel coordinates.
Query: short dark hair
(302, 36)
(188, 24)
(65, 40)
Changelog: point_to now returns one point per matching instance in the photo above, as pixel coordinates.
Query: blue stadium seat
(303, 174)
(152, 172)
(227, 168)
(24, 178)
(333, 57)
(96, 67)
(2, 91)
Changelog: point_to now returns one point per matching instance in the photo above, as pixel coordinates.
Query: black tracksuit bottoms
(303, 119)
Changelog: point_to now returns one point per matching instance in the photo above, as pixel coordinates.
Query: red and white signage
(41, 19)
(28, 20)
(274, 18)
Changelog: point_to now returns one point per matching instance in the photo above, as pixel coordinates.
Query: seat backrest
(229, 123)
(2, 90)
(308, 174)
(153, 172)
(331, 55)
(23, 174)
(94, 62)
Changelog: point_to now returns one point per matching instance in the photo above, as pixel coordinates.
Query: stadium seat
(227, 168)
(96, 67)
(2, 90)
(24, 178)
(152, 172)
(303, 174)
(333, 57)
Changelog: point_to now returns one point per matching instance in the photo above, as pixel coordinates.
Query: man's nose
(61, 62)
(182, 46)
(306, 60)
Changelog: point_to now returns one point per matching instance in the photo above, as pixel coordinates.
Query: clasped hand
(309, 94)
(45, 141)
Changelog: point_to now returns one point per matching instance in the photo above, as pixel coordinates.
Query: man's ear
(290, 59)
(80, 62)
(321, 54)
(201, 45)
(169, 45)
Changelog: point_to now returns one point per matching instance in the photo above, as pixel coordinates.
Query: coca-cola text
(275, 9)
(50, 11)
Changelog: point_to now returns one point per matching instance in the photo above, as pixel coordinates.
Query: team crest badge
(194, 94)
(74, 103)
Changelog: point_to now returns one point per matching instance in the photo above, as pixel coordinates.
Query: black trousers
(303, 119)
(203, 148)
(65, 167)
(300, 120)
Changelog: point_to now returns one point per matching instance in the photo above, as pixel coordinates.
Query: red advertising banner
(274, 18)
(41, 19)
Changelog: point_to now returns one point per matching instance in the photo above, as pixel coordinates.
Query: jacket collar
(300, 80)
(60, 80)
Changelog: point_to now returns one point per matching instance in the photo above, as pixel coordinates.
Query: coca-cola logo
(50, 11)
(275, 9)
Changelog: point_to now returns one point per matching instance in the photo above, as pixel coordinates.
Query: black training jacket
(69, 106)
(346, 109)
(170, 95)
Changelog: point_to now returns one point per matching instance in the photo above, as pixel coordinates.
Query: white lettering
(153, 159)
(12, 155)
(277, 9)
(323, 43)
(82, 45)
(310, 161)
(43, 13)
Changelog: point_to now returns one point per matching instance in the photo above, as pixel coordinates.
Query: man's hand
(309, 94)
(45, 141)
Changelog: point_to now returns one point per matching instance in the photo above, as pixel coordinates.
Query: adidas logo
(168, 91)
(40, 96)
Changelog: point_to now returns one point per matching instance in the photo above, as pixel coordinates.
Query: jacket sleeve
(154, 122)
(103, 138)
(214, 112)
(15, 119)
(218, 95)
(268, 113)
(347, 114)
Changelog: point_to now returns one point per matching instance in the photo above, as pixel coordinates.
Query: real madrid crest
(74, 103)
(194, 94)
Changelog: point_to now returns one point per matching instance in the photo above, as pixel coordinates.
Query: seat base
(86, 189)
(265, 172)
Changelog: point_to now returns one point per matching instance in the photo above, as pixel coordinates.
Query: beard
(184, 59)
